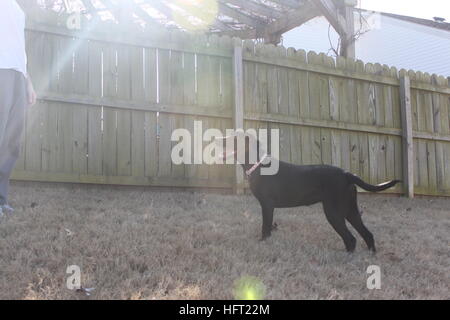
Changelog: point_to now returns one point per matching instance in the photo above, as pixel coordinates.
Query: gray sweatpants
(13, 99)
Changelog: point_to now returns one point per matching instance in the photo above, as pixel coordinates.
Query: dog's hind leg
(267, 225)
(337, 221)
(354, 217)
(355, 220)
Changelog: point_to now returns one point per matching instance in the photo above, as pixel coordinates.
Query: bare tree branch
(352, 39)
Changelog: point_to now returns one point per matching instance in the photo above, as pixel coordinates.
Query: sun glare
(249, 288)
(195, 15)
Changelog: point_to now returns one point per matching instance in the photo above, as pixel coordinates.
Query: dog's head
(242, 148)
(245, 149)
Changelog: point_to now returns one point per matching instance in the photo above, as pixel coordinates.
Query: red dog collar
(249, 172)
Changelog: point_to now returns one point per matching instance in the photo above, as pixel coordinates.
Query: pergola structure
(247, 19)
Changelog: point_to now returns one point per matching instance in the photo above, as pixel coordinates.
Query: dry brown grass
(144, 244)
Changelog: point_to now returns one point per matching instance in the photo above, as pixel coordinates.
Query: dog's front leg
(267, 215)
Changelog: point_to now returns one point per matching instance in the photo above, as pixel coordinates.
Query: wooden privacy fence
(110, 98)
(350, 114)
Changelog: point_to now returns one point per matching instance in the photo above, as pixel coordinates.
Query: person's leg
(12, 116)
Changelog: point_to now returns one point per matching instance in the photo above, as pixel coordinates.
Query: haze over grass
(133, 243)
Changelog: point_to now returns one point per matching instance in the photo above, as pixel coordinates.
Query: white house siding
(311, 36)
(393, 42)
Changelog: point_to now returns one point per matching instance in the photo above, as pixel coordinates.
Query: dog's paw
(264, 237)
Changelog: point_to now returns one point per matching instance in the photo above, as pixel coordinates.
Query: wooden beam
(131, 8)
(124, 38)
(243, 34)
(141, 13)
(331, 12)
(408, 151)
(338, 125)
(192, 110)
(225, 113)
(161, 7)
(292, 20)
(199, 13)
(165, 10)
(111, 8)
(379, 79)
(257, 8)
(288, 3)
(122, 180)
(239, 16)
(275, 29)
(348, 46)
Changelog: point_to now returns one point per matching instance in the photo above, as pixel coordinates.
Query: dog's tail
(353, 179)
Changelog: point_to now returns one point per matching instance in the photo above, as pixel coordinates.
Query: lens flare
(249, 288)
(195, 15)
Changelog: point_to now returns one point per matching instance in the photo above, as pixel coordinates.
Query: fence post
(350, 47)
(407, 141)
(238, 114)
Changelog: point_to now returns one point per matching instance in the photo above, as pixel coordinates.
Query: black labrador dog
(295, 185)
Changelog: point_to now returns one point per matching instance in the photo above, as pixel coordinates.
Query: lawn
(138, 243)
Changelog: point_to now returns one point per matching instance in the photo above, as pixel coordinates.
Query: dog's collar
(249, 172)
